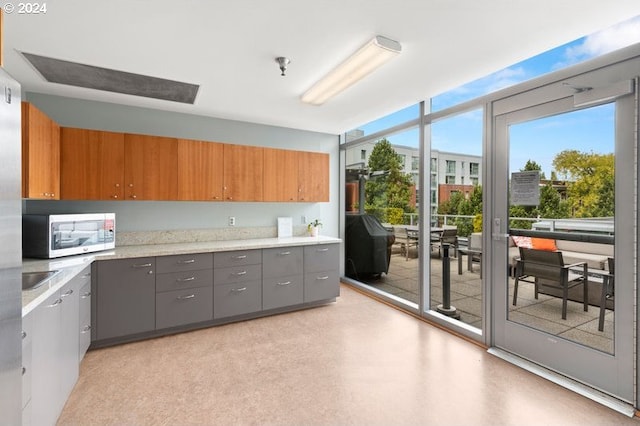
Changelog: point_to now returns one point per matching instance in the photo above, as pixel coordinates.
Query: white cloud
(605, 41)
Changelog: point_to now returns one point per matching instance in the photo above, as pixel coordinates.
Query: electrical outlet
(232, 221)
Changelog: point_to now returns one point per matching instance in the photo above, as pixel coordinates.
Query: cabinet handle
(117, 185)
(115, 196)
(322, 249)
(322, 278)
(24, 334)
(68, 293)
(24, 370)
(86, 329)
(87, 294)
(191, 296)
(185, 262)
(238, 290)
(229, 198)
(54, 304)
(285, 283)
(141, 265)
(134, 196)
(242, 256)
(285, 253)
(241, 273)
(182, 280)
(86, 276)
(52, 194)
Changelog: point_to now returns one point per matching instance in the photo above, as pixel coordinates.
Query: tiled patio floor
(543, 313)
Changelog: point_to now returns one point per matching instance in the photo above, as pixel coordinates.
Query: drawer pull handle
(191, 296)
(24, 370)
(322, 249)
(326, 277)
(86, 276)
(86, 329)
(54, 304)
(186, 262)
(242, 256)
(285, 283)
(183, 280)
(87, 294)
(238, 290)
(68, 293)
(285, 253)
(24, 334)
(241, 273)
(141, 265)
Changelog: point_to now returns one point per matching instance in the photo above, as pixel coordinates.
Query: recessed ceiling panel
(81, 75)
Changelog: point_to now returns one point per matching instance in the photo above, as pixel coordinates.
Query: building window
(434, 164)
(415, 163)
(403, 160)
(461, 180)
(451, 167)
(434, 196)
(434, 181)
(474, 168)
(474, 181)
(363, 154)
(450, 180)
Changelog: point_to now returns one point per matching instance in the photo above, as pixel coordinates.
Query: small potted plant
(313, 227)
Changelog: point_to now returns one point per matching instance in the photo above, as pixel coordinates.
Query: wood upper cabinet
(92, 164)
(313, 176)
(40, 155)
(243, 173)
(200, 170)
(150, 167)
(280, 175)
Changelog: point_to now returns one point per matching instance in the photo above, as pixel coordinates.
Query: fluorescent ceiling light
(370, 56)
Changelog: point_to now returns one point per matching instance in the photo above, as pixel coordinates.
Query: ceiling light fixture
(369, 57)
(282, 63)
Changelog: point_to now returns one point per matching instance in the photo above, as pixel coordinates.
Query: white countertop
(71, 266)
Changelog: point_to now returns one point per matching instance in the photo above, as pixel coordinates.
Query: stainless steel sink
(33, 280)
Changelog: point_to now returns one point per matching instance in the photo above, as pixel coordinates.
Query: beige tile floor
(466, 296)
(353, 362)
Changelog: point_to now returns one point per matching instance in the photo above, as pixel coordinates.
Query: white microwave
(55, 235)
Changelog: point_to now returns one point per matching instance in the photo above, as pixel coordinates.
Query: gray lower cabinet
(282, 277)
(125, 297)
(237, 278)
(321, 275)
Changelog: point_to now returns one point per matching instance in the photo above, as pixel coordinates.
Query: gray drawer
(237, 274)
(181, 307)
(184, 262)
(182, 280)
(278, 262)
(321, 257)
(237, 258)
(283, 291)
(237, 299)
(321, 285)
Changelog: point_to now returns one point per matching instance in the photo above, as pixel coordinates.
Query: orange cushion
(522, 241)
(544, 244)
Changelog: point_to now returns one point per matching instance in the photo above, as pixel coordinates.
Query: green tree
(388, 187)
(591, 190)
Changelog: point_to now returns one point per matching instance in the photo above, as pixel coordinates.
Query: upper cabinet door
(40, 155)
(280, 175)
(200, 170)
(92, 164)
(313, 177)
(151, 167)
(243, 172)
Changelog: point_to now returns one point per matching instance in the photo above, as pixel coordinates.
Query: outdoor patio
(543, 313)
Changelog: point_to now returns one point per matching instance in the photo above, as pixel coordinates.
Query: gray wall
(157, 215)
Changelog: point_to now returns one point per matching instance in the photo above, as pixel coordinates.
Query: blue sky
(542, 138)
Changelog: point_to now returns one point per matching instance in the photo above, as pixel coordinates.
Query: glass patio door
(563, 194)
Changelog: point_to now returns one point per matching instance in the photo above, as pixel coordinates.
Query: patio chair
(446, 236)
(404, 240)
(608, 292)
(547, 269)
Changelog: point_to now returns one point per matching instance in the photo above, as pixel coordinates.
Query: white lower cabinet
(27, 367)
(55, 344)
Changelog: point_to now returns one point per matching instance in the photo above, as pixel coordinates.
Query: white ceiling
(229, 49)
